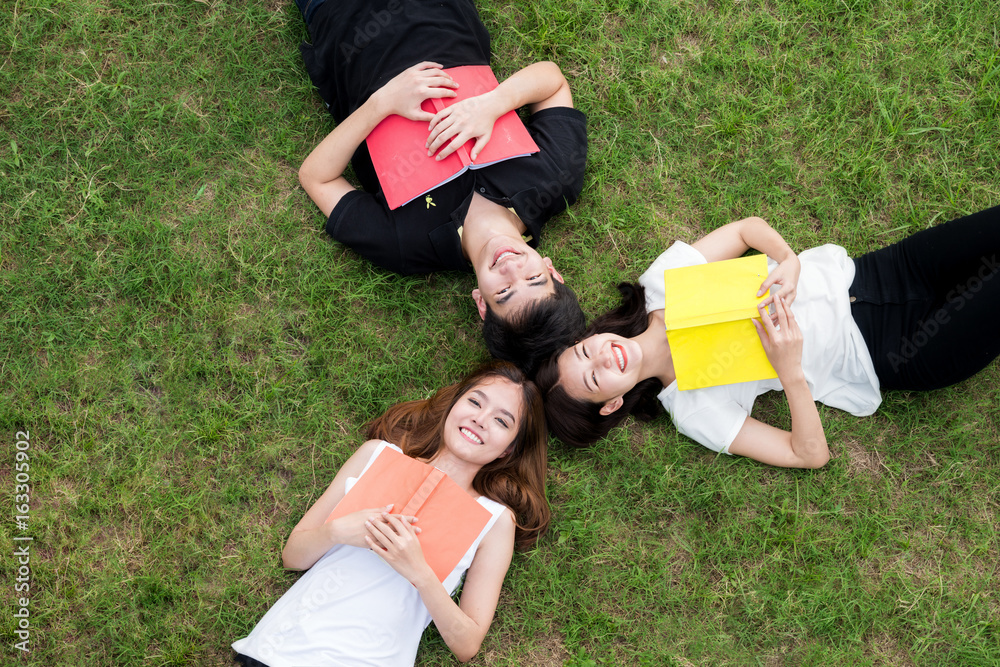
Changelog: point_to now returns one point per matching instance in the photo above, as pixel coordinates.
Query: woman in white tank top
(369, 592)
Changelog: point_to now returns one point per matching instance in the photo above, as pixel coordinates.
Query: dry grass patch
(861, 460)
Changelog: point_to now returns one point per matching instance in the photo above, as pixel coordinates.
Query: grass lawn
(193, 358)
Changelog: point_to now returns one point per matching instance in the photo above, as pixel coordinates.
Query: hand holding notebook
(351, 527)
(449, 518)
(707, 314)
(468, 120)
(406, 93)
(399, 146)
(780, 337)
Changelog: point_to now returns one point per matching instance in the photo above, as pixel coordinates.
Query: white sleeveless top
(835, 360)
(351, 609)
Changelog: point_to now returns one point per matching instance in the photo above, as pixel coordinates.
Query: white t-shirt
(835, 360)
(350, 609)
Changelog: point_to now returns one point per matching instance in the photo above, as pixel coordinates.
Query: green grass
(194, 358)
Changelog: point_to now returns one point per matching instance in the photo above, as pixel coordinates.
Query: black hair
(530, 335)
(579, 423)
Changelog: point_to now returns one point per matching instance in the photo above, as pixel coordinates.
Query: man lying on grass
(488, 219)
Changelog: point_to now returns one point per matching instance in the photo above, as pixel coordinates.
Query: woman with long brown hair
(369, 592)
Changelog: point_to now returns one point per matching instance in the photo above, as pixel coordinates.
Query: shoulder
(501, 535)
(678, 255)
(712, 416)
(361, 457)
(368, 447)
(418, 237)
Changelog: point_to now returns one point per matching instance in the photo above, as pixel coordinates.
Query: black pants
(308, 8)
(929, 305)
(247, 661)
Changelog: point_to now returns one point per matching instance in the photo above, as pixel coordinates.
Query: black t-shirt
(358, 46)
(421, 237)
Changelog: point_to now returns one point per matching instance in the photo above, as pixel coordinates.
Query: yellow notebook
(707, 312)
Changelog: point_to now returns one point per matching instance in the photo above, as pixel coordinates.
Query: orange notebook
(450, 519)
(400, 158)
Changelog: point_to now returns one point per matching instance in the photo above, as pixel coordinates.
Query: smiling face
(485, 420)
(510, 274)
(601, 368)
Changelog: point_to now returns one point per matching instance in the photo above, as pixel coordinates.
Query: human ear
(507, 451)
(611, 406)
(477, 296)
(552, 270)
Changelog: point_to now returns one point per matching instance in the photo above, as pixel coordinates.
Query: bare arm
(462, 626)
(805, 446)
(732, 240)
(539, 85)
(322, 172)
(312, 536)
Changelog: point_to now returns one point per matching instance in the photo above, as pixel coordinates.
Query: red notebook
(400, 158)
(450, 519)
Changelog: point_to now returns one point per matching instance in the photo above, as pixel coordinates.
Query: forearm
(305, 547)
(760, 236)
(808, 439)
(330, 158)
(533, 84)
(460, 632)
(734, 239)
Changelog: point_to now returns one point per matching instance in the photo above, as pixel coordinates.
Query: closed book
(399, 154)
(450, 519)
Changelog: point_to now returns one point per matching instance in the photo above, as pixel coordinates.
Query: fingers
(375, 537)
(480, 145)
(785, 291)
(765, 319)
(767, 305)
(406, 520)
(762, 334)
(440, 90)
(436, 70)
(793, 327)
(392, 524)
(388, 530)
(452, 146)
(442, 131)
(375, 511)
(398, 525)
(766, 285)
(438, 117)
(781, 312)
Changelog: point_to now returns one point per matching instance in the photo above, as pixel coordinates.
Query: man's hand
(407, 90)
(469, 119)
